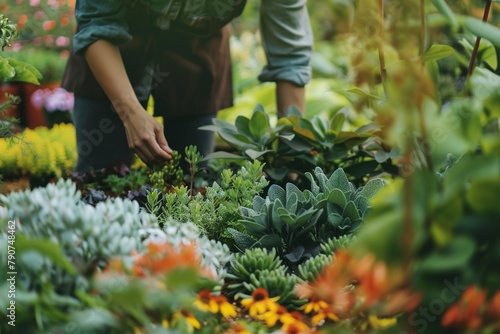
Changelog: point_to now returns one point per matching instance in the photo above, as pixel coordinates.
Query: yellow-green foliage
(39, 152)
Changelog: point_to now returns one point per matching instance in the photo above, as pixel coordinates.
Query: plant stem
(472, 61)
(381, 56)
(421, 116)
(423, 30)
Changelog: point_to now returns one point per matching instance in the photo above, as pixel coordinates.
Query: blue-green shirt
(285, 28)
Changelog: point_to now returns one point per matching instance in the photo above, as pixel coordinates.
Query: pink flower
(34, 3)
(39, 14)
(62, 41)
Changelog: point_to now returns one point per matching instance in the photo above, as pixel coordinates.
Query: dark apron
(187, 75)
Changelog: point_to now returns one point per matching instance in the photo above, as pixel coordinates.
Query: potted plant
(51, 64)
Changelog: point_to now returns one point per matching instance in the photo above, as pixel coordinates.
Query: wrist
(125, 106)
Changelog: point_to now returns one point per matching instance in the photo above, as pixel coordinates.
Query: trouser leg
(183, 131)
(100, 135)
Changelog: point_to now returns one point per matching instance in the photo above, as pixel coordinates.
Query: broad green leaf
(276, 192)
(437, 52)
(223, 155)
(337, 197)
(259, 123)
(484, 196)
(351, 211)
(241, 240)
(243, 125)
(339, 180)
(372, 187)
(482, 29)
(292, 189)
(268, 241)
(254, 154)
(337, 122)
(488, 54)
(6, 71)
(24, 72)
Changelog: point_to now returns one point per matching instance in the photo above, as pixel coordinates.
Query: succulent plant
(334, 244)
(296, 222)
(277, 284)
(55, 212)
(214, 255)
(253, 261)
(309, 270)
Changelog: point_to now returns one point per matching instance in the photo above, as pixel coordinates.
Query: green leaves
(15, 70)
(482, 29)
(446, 11)
(296, 221)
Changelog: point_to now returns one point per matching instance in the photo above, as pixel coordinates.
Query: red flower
(466, 313)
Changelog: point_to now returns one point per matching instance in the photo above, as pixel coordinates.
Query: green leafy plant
(167, 176)
(296, 222)
(134, 180)
(217, 209)
(298, 145)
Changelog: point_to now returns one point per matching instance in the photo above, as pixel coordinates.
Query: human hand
(145, 135)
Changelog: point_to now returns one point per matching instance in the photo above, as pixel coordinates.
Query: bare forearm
(106, 64)
(288, 94)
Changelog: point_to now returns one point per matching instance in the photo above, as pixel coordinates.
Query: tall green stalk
(472, 61)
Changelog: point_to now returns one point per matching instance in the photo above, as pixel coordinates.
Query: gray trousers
(102, 142)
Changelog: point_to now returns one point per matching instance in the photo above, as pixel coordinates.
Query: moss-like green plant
(295, 222)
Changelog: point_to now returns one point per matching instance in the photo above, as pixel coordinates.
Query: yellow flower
(380, 323)
(165, 323)
(205, 302)
(227, 309)
(314, 306)
(272, 317)
(260, 303)
(188, 317)
(322, 315)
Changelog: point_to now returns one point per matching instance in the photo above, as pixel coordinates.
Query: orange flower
(493, 311)
(162, 257)
(22, 21)
(297, 327)
(49, 25)
(64, 21)
(466, 313)
(237, 328)
(260, 303)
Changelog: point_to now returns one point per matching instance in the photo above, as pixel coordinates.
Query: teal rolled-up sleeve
(287, 40)
(97, 19)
